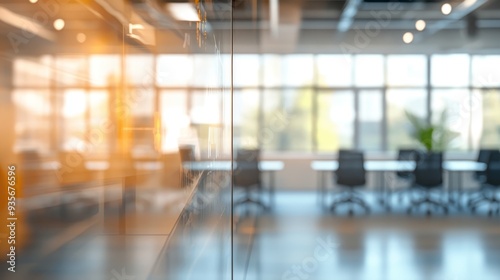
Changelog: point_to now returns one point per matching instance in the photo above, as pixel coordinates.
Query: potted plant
(433, 137)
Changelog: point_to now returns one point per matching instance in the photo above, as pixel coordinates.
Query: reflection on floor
(297, 240)
(300, 241)
(92, 241)
(99, 257)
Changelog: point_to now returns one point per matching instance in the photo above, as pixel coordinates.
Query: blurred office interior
(250, 139)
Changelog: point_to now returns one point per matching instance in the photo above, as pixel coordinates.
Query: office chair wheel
(473, 209)
(350, 212)
(428, 213)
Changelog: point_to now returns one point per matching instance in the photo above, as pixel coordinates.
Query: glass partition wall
(122, 120)
(193, 98)
(106, 107)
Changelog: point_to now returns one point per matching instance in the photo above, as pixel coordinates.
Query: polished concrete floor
(296, 240)
(301, 241)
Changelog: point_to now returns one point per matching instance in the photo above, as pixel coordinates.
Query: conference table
(380, 167)
(267, 166)
(102, 165)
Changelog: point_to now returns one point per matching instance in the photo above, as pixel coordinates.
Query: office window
(450, 70)
(297, 115)
(205, 114)
(270, 135)
(370, 119)
(246, 70)
(288, 70)
(283, 119)
(334, 70)
(205, 107)
(175, 121)
(246, 118)
(105, 70)
(174, 70)
(278, 112)
(207, 71)
(99, 133)
(142, 108)
(399, 129)
(33, 120)
(139, 70)
(335, 120)
(228, 71)
(227, 120)
(369, 70)
(456, 103)
(406, 70)
(141, 101)
(272, 70)
(486, 70)
(486, 118)
(298, 70)
(71, 71)
(73, 116)
(33, 71)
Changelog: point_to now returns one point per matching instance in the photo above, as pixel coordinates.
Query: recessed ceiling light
(408, 37)
(446, 9)
(183, 11)
(420, 25)
(33, 1)
(81, 37)
(59, 24)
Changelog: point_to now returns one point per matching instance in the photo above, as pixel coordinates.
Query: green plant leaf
(431, 136)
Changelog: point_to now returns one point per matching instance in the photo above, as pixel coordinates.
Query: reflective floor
(302, 242)
(296, 240)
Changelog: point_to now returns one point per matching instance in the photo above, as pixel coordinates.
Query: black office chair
(186, 153)
(483, 157)
(428, 176)
(405, 155)
(491, 184)
(480, 176)
(351, 174)
(247, 175)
